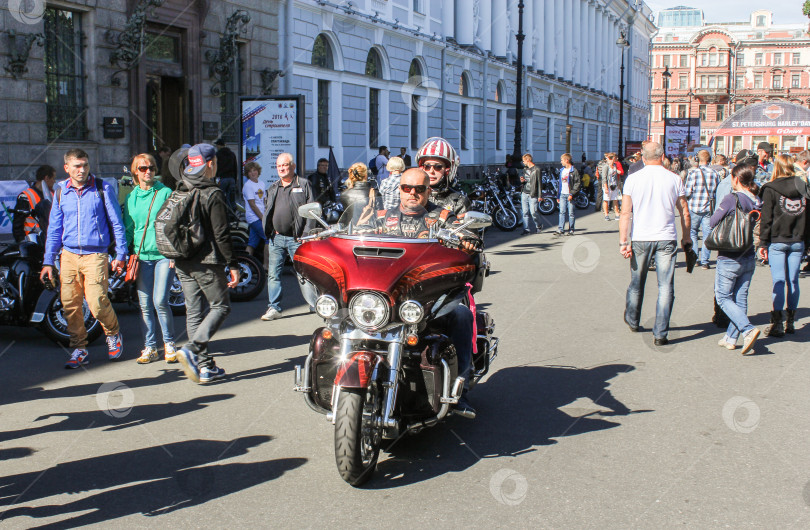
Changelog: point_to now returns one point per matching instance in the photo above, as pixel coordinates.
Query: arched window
(374, 64)
(464, 86)
(415, 70)
(322, 53)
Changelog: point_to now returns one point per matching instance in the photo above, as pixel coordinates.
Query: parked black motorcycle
(26, 302)
(494, 199)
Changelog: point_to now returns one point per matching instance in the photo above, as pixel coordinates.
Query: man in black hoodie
(201, 275)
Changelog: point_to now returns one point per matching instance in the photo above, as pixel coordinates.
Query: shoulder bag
(134, 262)
(734, 232)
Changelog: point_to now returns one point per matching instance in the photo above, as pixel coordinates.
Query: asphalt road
(581, 423)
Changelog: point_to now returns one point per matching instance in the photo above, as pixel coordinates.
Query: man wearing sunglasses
(414, 217)
(439, 160)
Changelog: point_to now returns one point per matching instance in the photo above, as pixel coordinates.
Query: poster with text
(680, 132)
(272, 125)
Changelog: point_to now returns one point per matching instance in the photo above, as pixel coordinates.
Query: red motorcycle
(381, 366)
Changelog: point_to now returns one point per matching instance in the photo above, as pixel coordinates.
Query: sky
(784, 11)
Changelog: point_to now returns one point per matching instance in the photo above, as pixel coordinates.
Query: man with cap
(764, 165)
(201, 275)
(226, 171)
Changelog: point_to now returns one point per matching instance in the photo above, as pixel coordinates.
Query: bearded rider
(439, 160)
(414, 217)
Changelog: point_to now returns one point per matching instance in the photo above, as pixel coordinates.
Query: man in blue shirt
(85, 218)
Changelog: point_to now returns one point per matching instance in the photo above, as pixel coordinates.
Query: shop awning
(770, 118)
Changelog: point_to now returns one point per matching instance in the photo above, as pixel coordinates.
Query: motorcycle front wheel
(252, 278)
(54, 326)
(546, 206)
(581, 200)
(358, 434)
(505, 219)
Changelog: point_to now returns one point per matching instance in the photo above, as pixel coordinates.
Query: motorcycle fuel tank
(403, 268)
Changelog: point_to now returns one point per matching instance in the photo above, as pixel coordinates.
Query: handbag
(734, 232)
(134, 261)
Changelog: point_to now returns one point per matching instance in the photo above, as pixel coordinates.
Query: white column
(548, 37)
(592, 62)
(511, 42)
(559, 38)
(449, 18)
(603, 44)
(528, 31)
(464, 22)
(568, 30)
(498, 27)
(539, 45)
(576, 40)
(485, 25)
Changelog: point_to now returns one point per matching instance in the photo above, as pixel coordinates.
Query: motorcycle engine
(8, 293)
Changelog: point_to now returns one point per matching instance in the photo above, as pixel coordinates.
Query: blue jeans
(528, 205)
(256, 235)
(701, 221)
(153, 284)
(228, 186)
(460, 326)
(566, 206)
(731, 283)
(664, 253)
(785, 260)
(277, 248)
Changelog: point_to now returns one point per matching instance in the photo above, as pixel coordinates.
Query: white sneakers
(271, 314)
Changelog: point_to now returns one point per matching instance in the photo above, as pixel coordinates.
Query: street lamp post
(622, 43)
(516, 155)
(667, 75)
(689, 126)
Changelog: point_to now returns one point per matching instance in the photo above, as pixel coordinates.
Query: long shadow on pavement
(518, 410)
(112, 419)
(150, 481)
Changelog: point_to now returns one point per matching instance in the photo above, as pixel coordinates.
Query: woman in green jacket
(156, 272)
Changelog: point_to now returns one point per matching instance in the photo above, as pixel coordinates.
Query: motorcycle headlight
(411, 312)
(326, 306)
(369, 310)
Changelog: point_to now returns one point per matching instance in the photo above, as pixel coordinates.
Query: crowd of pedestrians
(88, 235)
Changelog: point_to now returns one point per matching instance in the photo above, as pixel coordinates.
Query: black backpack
(372, 165)
(178, 227)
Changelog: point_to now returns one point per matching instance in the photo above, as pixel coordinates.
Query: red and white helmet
(440, 148)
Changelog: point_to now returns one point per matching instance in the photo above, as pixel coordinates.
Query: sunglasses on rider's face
(407, 188)
(144, 169)
(429, 166)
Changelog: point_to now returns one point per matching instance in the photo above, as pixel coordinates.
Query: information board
(272, 125)
(679, 132)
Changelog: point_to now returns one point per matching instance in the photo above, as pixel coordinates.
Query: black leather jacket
(359, 195)
(450, 199)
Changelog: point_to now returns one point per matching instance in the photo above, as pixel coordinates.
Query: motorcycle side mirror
(477, 220)
(312, 210)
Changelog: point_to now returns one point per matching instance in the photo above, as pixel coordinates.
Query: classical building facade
(124, 76)
(717, 69)
(396, 72)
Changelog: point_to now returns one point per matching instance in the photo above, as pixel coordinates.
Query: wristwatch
(625, 244)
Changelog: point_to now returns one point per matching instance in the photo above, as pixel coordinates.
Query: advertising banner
(272, 125)
(680, 132)
(769, 118)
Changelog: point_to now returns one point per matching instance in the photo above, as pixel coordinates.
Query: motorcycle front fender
(357, 370)
(43, 302)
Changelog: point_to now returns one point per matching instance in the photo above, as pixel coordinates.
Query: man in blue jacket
(84, 219)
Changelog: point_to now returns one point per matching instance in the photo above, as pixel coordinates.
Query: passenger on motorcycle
(439, 160)
(415, 217)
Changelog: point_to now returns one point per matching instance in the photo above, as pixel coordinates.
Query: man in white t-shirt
(649, 199)
(382, 162)
(255, 196)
